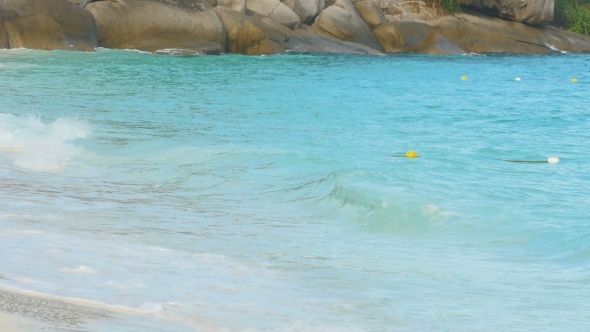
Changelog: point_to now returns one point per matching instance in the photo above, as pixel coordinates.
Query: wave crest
(362, 199)
(37, 146)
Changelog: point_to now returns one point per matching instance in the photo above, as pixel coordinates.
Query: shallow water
(264, 193)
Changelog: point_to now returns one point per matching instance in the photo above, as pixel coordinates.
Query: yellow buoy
(574, 80)
(464, 78)
(411, 154)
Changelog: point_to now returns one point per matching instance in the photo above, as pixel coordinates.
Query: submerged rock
(78, 25)
(150, 26)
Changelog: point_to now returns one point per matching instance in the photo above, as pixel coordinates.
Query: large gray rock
(150, 26)
(5, 14)
(275, 10)
(35, 32)
(303, 41)
(414, 37)
(3, 37)
(307, 10)
(252, 36)
(307, 42)
(525, 11)
(475, 33)
(370, 13)
(248, 35)
(237, 5)
(566, 41)
(480, 34)
(408, 10)
(78, 25)
(342, 21)
(435, 43)
(402, 37)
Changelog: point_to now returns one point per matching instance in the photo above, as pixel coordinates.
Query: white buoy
(517, 79)
(553, 160)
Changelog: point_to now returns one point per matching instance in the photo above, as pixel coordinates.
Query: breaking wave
(47, 147)
(358, 198)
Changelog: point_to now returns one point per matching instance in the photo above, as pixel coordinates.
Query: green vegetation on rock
(450, 6)
(573, 15)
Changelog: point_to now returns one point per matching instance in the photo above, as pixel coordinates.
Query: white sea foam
(78, 301)
(159, 249)
(115, 285)
(14, 66)
(126, 50)
(23, 280)
(433, 210)
(301, 326)
(18, 49)
(37, 146)
(52, 251)
(306, 327)
(553, 48)
(82, 269)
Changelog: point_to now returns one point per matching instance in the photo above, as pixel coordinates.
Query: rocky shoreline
(258, 27)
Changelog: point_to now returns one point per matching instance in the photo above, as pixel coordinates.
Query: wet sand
(26, 313)
(13, 323)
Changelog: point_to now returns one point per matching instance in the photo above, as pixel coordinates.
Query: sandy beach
(13, 323)
(20, 312)
(26, 311)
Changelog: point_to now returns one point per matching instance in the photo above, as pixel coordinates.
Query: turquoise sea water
(241, 193)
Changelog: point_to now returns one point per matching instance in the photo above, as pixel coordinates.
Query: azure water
(264, 193)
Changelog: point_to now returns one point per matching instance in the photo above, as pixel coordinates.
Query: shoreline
(7, 51)
(23, 310)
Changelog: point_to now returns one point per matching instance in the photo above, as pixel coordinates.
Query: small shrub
(573, 15)
(451, 6)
